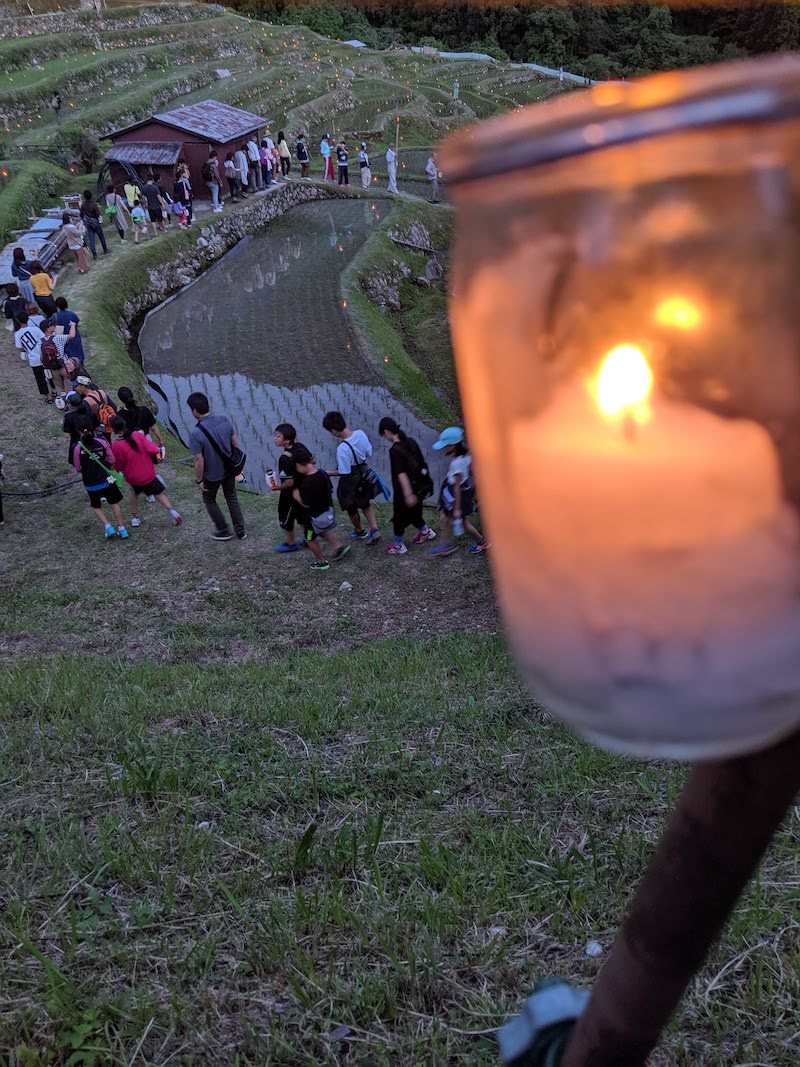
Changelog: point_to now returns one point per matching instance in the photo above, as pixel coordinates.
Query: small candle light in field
(623, 385)
(679, 313)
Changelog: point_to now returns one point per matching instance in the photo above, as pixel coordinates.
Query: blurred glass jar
(626, 324)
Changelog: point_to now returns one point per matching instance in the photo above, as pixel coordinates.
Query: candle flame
(678, 312)
(624, 383)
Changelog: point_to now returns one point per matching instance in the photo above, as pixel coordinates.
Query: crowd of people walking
(115, 444)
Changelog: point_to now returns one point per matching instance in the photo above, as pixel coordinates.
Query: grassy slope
(414, 342)
(397, 840)
(32, 186)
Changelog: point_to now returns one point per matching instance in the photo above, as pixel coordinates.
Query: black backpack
(207, 172)
(418, 473)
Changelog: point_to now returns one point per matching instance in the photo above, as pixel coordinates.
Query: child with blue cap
(457, 495)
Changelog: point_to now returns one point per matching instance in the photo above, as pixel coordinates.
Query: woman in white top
(74, 231)
(366, 170)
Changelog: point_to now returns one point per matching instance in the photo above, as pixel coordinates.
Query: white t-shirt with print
(28, 339)
(357, 442)
(460, 465)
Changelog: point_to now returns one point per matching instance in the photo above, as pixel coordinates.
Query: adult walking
(326, 152)
(90, 216)
(213, 443)
(75, 233)
(43, 285)
(254, 163)
(131, 192)
(115, 210)
(303, 156)
(341, 159)
(366, 169)
(154, 202)
(391, 166)
(55, 104)
(28, 339)
(210, 174)
(432, 174)
(65, 318)
(54, 358)
(21, 270)
(243, 167)
(182, 193)
(411, 483)
(284, 154)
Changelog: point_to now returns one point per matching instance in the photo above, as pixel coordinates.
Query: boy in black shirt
(288, 481)
(315, 497)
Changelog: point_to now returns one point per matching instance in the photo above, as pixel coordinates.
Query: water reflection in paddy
(264, 335)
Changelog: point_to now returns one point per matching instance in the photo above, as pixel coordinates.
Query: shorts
(151, 489)
(287, 511)
(447, 503)
(155, 213)
(347, 496)
(309, 533)
(110, 492)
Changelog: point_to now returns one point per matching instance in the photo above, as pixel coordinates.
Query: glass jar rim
(618, 112)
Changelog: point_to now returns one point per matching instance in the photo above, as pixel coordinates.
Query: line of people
(306, 495)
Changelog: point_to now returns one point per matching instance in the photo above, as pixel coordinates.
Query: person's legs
(133, 503)
(372, 519)
(232, 500)
(316, 551)
(101, 515)
(41, 381)
(355, 518)
(121, 233)
(213, 508)
(60, 381)
(102, 236)
(90, 236)
(346, 175)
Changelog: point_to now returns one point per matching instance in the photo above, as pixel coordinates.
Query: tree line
(598, 39)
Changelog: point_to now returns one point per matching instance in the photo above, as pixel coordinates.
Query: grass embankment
(414, 342)
(33, 185)
(248, 817)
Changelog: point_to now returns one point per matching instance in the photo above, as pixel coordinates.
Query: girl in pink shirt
(133, 455)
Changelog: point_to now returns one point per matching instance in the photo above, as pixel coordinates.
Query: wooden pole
(397, 135)
(721, 827)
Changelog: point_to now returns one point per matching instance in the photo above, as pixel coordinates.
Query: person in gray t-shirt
(209, 467)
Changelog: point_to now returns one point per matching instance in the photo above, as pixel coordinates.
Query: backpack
(51, 360)
(105, 410)
(207, 172)
(418, 473)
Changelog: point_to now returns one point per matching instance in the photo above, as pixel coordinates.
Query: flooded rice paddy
(264, 334)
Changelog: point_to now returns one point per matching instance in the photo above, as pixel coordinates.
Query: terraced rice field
(119, 67)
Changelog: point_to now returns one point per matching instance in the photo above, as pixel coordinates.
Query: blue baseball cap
(453, 435)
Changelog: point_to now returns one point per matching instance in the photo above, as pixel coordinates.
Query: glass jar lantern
(626, 320)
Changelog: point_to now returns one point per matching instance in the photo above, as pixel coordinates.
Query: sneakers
(320, 565)
(342, 551)
(443, 550)
(242, 536)
(359, 535)
(150, 499)
(373, 536)
(123, 533)
(224, 535)
(479, 546)
(136, 521)
(176, 518)
(110, 531)
(396, 548)
(288, 548)
(425, 535)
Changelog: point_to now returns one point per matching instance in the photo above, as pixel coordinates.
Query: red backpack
(51, 358)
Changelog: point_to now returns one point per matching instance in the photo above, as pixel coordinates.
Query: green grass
(32, 186)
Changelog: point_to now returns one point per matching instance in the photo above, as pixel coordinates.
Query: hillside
(139, 59)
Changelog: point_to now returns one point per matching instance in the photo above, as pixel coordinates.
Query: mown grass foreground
(247, 817)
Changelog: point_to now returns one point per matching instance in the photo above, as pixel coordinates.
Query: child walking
(93, 458)
(133, 455)
(411, 483)
(287, 481)
(457, 496)
(314, 496)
